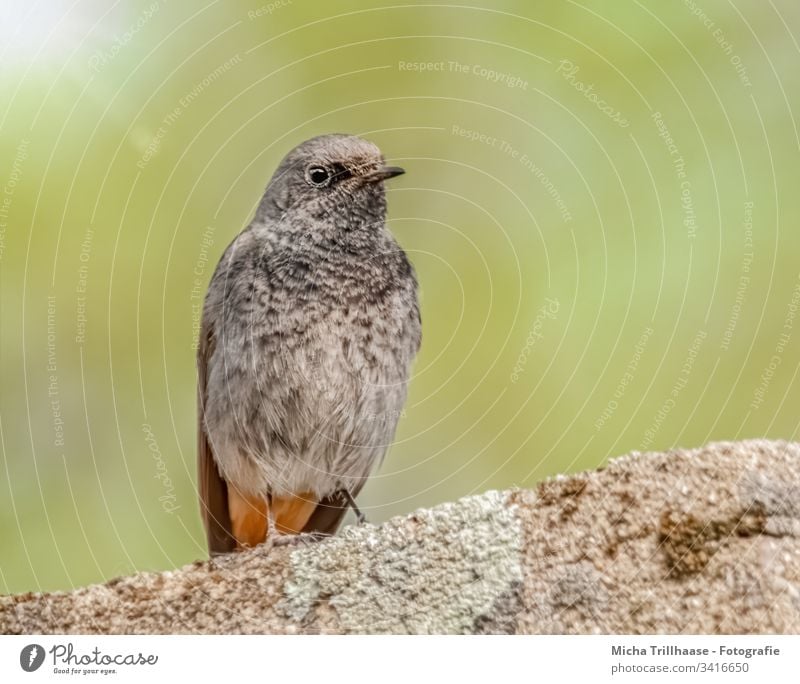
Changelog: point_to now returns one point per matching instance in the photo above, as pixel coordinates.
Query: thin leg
(360, 517)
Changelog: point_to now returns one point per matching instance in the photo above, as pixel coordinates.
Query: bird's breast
(314, 344)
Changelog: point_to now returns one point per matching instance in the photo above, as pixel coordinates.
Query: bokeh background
(601, 204)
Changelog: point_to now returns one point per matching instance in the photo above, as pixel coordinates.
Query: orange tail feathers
(250, 515)
(291, 513)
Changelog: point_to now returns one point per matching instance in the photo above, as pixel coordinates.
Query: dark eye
(318, 176)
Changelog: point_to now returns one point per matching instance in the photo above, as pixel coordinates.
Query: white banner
(380, 659)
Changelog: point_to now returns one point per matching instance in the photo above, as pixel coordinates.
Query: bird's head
(335, 178)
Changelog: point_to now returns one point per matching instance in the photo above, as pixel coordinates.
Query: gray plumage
(310, 326)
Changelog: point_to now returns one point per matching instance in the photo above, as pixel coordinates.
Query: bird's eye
(318, 176)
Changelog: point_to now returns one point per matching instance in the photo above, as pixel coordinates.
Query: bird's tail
(253, 517)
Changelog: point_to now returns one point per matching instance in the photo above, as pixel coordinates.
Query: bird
(309, 329)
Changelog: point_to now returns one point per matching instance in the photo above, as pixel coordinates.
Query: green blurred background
(596, 278)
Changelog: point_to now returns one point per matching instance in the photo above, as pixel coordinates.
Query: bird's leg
(272, 528)
(304, 538)
(270, 533)
(360, 517)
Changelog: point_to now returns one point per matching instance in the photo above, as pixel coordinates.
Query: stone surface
(697, 541)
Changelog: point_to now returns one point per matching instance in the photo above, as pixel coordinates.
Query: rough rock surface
(700, 541)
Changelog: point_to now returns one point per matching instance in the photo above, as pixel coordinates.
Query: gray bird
(310, 325)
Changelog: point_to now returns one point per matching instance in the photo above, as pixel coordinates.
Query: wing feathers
(213, 489)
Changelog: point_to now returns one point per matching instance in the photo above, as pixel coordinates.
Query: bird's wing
(213, 489)
(328, 514)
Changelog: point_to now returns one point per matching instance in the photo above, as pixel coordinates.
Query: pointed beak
(384, 173)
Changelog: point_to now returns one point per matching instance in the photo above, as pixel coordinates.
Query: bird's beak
(384, 173)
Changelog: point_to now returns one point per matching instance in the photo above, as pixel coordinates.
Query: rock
(696, 541)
